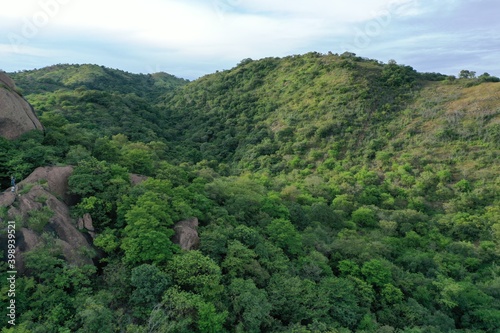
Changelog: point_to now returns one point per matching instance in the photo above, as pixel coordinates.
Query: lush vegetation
(334, 194)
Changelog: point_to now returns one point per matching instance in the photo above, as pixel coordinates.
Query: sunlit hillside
(333, 193)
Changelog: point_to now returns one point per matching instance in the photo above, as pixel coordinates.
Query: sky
(192, 38)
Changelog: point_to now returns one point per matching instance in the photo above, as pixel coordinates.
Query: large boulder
(7, 198)
(186, 234)
(56, 179)
(85, 223)
(16, 114)
(7, 81)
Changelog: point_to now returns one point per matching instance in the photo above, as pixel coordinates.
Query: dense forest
(334, 194)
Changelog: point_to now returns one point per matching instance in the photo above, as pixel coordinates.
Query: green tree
(249, 306)
(283, 233)
(376, 272)
(364, 217)
(99, 185)
(314, 266)
(242, 197)
(337, 297)
(293, 300)
(148, 233)
(184, 312)
(96, 316)
(197, 273)
(149, 284)
(242, 262)
(344, 203)
(209, 319)
(138, 158)
(149, 213)
(467, 74)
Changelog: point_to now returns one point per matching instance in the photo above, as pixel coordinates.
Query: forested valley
(334, 194)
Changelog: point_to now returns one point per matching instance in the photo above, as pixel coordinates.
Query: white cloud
(340, 11)
(200, 26)
(211, 33)
(8, 50)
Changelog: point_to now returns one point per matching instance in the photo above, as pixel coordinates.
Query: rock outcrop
(38, 205)
(186, 234)
(56, 179)
(136, 179)
(85, 223)
(16, 114)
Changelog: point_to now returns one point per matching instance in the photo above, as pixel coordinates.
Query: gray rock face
(57, 181)
(47, 186)
(85, 223)
(16, 114)
(136, 179)
(186, 234)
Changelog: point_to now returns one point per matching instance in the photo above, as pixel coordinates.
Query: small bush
(38, 219)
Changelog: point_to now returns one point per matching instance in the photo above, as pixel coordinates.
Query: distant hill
(101, 100)
(276, 114)
(93, 77)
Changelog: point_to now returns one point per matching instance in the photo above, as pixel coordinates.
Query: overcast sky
(191, 38)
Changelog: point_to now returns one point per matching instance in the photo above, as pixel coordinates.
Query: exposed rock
(30, 240)
(85, 222)
(7, 81)
(47, 187)
(57, 181)
(136, 179)
(26, 241)
(186, 234)
(73, 243)
(16, 114)
(7, 198)
(60, 224)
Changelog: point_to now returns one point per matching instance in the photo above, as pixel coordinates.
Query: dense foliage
(334, 194)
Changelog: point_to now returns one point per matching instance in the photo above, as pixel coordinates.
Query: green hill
(93, 77)
(100, 100)
(334, 194)
(314, 112)
(288, 107)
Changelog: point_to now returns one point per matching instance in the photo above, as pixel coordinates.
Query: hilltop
(94, 77)
(332, 193)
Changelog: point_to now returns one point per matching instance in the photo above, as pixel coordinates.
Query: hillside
(100, 100)
(333, 193)
(93, 77)
(262, 114)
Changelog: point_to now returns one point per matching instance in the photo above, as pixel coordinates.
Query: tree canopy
(333, 193)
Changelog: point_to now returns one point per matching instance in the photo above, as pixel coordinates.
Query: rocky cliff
(40, 206)
(16, 114)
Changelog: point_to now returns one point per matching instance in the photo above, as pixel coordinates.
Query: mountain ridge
(93, 77)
